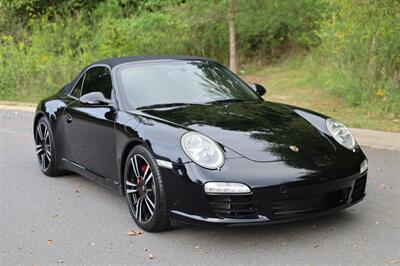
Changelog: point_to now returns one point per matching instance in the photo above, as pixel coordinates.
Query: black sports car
(185, 139)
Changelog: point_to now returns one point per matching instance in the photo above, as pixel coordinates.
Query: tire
(45, 148)
(145, 191)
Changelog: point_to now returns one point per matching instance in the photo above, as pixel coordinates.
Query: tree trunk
(232, 35)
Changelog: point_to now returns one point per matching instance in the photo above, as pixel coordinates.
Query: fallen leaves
(49, 242)
(382, 186)
(134, 233)
(394, 261)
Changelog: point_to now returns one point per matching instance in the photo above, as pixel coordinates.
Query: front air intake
(233, 206)
(359, 188)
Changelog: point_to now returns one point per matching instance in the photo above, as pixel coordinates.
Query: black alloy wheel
(144, 190)
(45, 150)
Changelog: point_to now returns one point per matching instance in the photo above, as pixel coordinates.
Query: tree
(232, 35)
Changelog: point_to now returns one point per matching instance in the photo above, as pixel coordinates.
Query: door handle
(68, 118)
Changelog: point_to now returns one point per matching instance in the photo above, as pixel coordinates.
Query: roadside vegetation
(289, 82)
(340, 57)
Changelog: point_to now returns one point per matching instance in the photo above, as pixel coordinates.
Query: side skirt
(99, 179)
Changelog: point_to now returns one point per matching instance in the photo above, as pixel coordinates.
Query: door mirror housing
(259, 89)
(95, 97)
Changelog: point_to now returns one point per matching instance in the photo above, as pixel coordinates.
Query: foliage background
(349, 47)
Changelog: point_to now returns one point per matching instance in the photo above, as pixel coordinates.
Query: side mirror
(95, 97)
(259, 89)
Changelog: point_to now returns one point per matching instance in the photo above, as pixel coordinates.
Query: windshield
(180, 82)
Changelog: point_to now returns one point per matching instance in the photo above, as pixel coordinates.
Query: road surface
(71, 220)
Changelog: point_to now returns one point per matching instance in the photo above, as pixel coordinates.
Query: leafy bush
(360, 50)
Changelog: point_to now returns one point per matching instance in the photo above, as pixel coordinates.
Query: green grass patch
(297, 84)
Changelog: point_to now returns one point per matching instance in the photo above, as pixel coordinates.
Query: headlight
(225, 187)
(340, 133)
(202, 150)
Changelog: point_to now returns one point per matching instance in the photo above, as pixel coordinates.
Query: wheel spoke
(48, 153)
(39, 149)
(139, 209)
(149, 204)
(39, 131)
(42, 161)
(48, 157)
(130, 184)
(131, 191)
(135, 167)
(148, 178)
(46, 133)
(136, 206)
(146, 172)
(134, 200)
(149, 200)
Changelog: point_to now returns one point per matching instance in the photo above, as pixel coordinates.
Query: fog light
(224, 187)
(364, 166)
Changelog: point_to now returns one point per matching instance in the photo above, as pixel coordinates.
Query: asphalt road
(70, 220)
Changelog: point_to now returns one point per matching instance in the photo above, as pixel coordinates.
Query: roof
(112, 62)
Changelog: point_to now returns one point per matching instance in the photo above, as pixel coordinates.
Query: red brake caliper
(143, 168)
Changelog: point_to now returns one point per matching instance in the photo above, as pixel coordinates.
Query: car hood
(263, 131)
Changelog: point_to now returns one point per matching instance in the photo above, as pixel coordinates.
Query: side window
(77, 90)
(98, 79)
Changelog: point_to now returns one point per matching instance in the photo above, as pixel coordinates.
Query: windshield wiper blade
(162, 105)
(231, 100)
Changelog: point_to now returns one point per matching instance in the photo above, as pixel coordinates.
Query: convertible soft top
(115, 61)
(112, 62)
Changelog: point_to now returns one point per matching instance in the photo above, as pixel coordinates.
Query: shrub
(360, 50)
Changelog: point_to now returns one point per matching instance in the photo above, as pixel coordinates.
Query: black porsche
(186, 140)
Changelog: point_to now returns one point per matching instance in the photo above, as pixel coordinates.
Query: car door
(89, 127)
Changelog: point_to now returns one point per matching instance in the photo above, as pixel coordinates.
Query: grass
(295, 85)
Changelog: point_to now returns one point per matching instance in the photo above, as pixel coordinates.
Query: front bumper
(308, 203)
(281, 192)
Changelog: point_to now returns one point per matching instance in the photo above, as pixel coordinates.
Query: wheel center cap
(141, 187)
